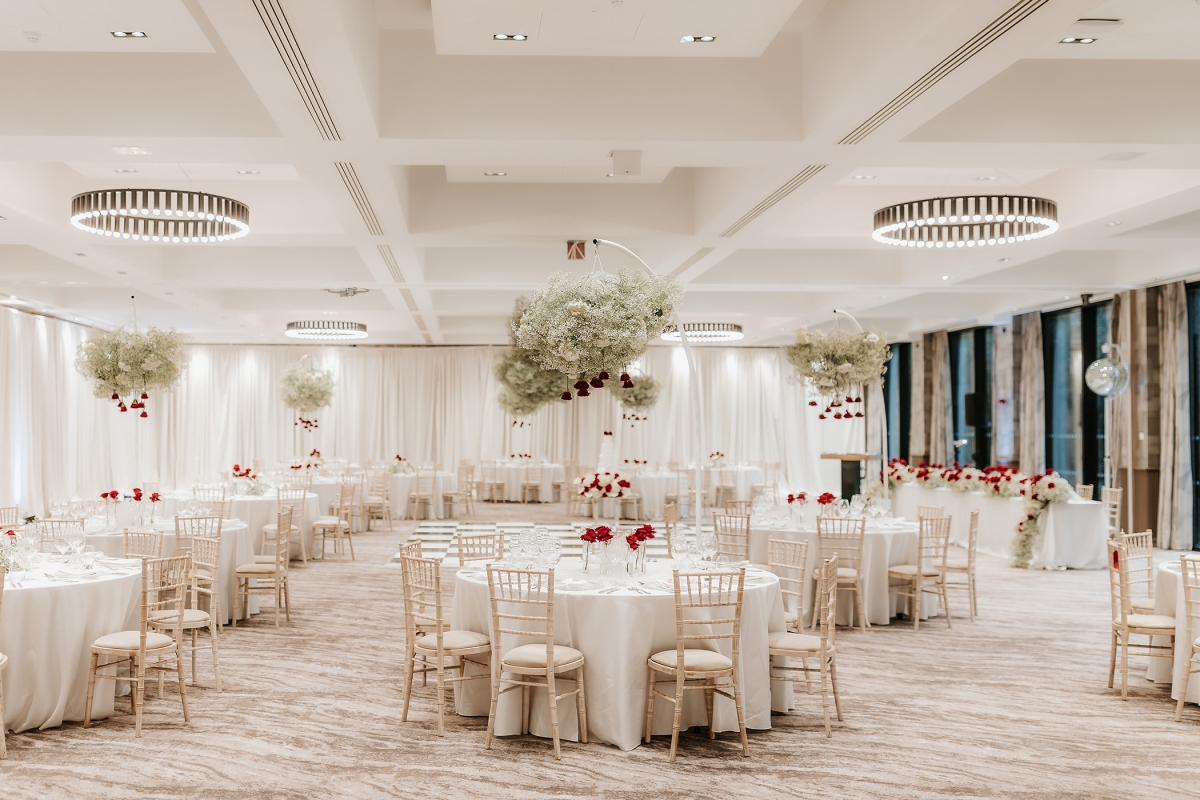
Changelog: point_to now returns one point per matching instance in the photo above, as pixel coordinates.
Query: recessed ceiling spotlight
(988, 178)
(1076, 40)
(945, 277)
(131, 151)
(247, 172)
(1004, 260)
(1113, 224)
(128, 34)
(509, 37)
(494, 174)
(864, 177)
(611, 175)
(696, 39)
(125, 170)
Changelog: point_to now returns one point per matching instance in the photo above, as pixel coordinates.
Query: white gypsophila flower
(872, 338)
(834, 364)
(641, 397)
(305, 389)
(524, 385)
(128, 362)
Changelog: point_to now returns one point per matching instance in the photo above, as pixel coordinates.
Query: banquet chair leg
(807, 675)
(441, 697)
(525, 704)
(649, 703)
(193, 656)
(971, 589)
(277, 601)
(287, 601)
(162, 690)
(139, 695)
(3, 734)
(1187, 674)
(1112, 660)
(351, 541)
(708, 705)
(491, 726)
(741, 712)
(91, 691)
(825, 697)
(212, 635)
(837, 698)
(409, 658)
(580, 701)
(914, 606)
(552, 692)
(679, 682)
(182, 684)
(1125, 667)
(858, 602)
(945, 598)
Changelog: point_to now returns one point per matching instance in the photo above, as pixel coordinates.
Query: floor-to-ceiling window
(897, 397)
(1193, 324)
(971, 389)
(1062, 351)
(1094, 321)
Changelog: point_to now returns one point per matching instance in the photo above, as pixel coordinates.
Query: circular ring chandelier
(969, 221)
(160, 215)
(702, 332)
(326, 329)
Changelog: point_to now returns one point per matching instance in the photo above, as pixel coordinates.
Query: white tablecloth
(255, 512)
(237, 548)
(1074, 534)
(403, 486)
(47, 630)
(617, 633)
(1168, 601)
(512, 474)
(884, 545)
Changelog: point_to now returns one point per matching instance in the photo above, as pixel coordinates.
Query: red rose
(624, 484)
(1050, 485)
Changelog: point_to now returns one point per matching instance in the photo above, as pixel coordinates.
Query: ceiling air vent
(359, 195)
(280, 30)
(783, 191)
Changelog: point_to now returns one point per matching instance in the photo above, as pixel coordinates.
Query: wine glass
(553, 550)
(62, 546)
(707, 543)
(75, 541)
(88, 555)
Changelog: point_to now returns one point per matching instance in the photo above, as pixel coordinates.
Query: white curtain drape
(916, 424)
(1031, 449)
(423, 403)
(941, 434)
(1002, 392)
(1175, 463)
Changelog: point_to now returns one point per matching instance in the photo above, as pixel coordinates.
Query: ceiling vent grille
(355, 187)
(695, 257)
(795, 183)
(389, 258)
(274, 18)
(972, 47)
(393, 266)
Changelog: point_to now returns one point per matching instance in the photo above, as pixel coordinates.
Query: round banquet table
(1168, 601)
(237, 548)
(256, 511)
(512, 474)
(887, 543)
(47, 631)
(617, 633)
(404, 484)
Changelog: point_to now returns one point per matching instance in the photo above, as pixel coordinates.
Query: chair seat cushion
(272, 527)
(534, 655)
(956, 564)
(268, 559)
(794, 642)
(694, 660)
(453, 640)
(257, 569)
(330, 522)
(844, 574)
(1150, 621)
(192, 618)
(375, 500)
(129, 640)
(910, 571)
(1142, 606)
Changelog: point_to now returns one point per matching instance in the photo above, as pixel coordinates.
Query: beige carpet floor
(1013, 705)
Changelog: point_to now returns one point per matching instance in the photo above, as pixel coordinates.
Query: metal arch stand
(697, 484)
(876, 392)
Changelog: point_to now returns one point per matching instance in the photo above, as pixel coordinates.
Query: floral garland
(641, 396)
(127, 362)
(602, 485)
(837, 363)
(305, 389)
(1040, 492)
(8, 549)
(595, 322)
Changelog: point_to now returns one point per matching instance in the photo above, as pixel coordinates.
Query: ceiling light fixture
(131, 151)
(696, 39)
(509, 37)
(125, 170)
(349, 291)
(1076, 40)
(988, 178)
(330, 329)
(703, 332)
(967, 221)
(128, 34)
(945, 277)
(494, 174)
(1113, 224)
(247, 172)
(160, 215)
(864, 177)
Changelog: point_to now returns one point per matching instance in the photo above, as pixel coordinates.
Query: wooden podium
(852, 464)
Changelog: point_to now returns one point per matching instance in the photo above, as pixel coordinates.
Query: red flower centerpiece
(599, 535)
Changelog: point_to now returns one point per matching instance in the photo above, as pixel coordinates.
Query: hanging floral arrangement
(524, 385)
(836, 364)
(641, 395)
(595, 323)
(306, 389)
(128, 363)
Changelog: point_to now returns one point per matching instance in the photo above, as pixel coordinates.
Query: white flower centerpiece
(306, 389)
(716, 460)
(245, 482)
(602, 485)
(402, 466)
(314, 460)
(129, 363)
(837, 365)
(1041, 491)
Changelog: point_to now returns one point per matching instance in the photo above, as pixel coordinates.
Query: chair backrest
(9, 515)
(143, 544)
(206, 563)
(826, 600)
(343, 499)
(488, 470)
(425, 476)
(843, 537)
(930, 511)
(522, 603)
(683, 482)
(789, 560)
(1085, 490)
(295, 499)
(204, 491)
(719, 594)
(1139, 562)
(188, 528)
(739, 508)
(422, 597)
(670, 525)
(282, 541)
(166, 584)
(934, 538)
(1189, 565)
(972, 540)
(411, 548)
(379, 484)
(1118, 582)
(1112, 506)
(533, 473)
(733, 536)
(466, 479)
(48, 531)
(480, 547)
(727, 477)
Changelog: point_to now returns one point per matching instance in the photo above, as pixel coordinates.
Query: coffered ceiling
(361, 135)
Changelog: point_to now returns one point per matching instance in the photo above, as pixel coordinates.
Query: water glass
(88, 555)
(553, 551)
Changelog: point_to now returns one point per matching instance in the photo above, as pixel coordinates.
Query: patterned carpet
(1013, 705)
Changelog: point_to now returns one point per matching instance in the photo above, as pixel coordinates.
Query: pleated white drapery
(1175, 463)
(941, 437)
(423, 403)
(1031, 449)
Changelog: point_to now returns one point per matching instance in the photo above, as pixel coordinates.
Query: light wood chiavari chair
(206, 560)
(1189, 566)
(461, 497)
(165, 584)
(411, 548)
(523, 606)
(1112, 508)
(205, 491)
(491, 485)
(561, 486)
(577, 504)
(219, 508)
(337, 524)
(378, 503)
(964, 568)
(770, 482)
(532, 485)
(188, 528)
(357, 516)
(733, 537)
(710, 604)
(725, 487)
(293, 499)
(422, 494)
(1139, 563)
(1085, 490)
(925, 576)
(1125, 623)
(788, 560)
(804, 646)
(269, 579)
(843, 537)
(933, 512)
(740, 508)
(670, 526)
(681, 492)
(3, 664)
(48, 531)
(429, 640)
(9, 516)
(143, 544)
(480, 547)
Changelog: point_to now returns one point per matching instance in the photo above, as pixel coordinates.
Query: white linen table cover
(512, 474)
(617, 633)
(1074, 533)
(47, 630)
(256, 512)
(1168, 601)
(403, 485)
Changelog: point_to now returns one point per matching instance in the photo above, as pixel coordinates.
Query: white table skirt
(617, 633)
(1168, 601)
(883, 547)
(1073, 537)
(237, 548)
(513, 475)
(403, 486)
(256, 512)
(47, 631)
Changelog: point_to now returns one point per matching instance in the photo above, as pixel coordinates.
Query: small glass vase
(608, 564)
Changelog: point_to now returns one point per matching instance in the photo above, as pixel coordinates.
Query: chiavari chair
(218, 508)
(561, 486)
(206, 560)
(480, 547)
(143, 544)
(411, 548)
(788, 560)
(740, 508)
(964, 568)
(165, 584)
(531, 486)
(1085, 490)
(1189, 566)
(48, 531)
(522, 604)
(295, 500)
(925, 576)
(422, 494)
(462, 496)
(1125, 623)
(710, 604)
(933, 512)
(269, 579)
(492, 486)
(337, 524)
(1139, 563)
(843, 537)
(9, 516)
(188, 528)
(680, 492)
(1112, 508)
(207, 491)
(378, 504)
(733, 537)
(725, 487)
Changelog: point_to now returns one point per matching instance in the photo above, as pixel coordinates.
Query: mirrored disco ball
(1107, 378)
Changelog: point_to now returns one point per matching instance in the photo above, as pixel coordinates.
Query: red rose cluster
(636, 538)
(600, 534)
(136, 404)
(155, 497)
(837, 404)
(110, 495)
(309, 424)
(826, 498)
(238, 472)
(798, 497)
(581, 386)
(137, 495)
